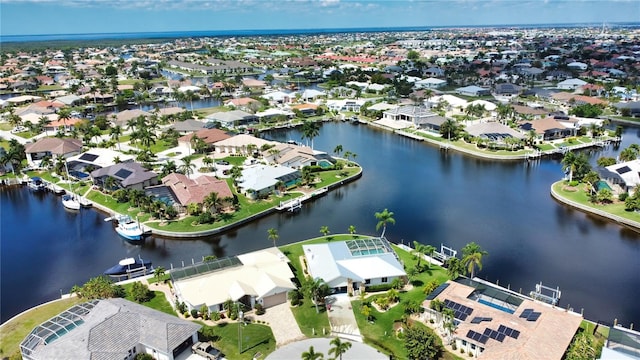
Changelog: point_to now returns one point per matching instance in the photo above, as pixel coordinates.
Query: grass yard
(158, 146)
(14, 331)
(580, 196)
(255, 338)
(158, 301)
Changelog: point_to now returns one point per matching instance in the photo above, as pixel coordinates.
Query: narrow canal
(437, 198)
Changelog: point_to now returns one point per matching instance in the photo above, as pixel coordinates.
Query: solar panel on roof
(526, 312)
(437, 291)
(468, 310)
(88, 157)
(477, 320)
(515, 334)
(534, 316)
(487, 331)
(622, 170)
(123, 173)
(462, 316)
(500, 337)
(501, 328)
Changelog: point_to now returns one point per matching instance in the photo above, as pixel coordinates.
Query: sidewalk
(341, 317)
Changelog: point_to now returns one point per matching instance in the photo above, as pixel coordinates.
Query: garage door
(276, 299)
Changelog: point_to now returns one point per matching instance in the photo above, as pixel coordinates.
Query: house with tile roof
(209, 136)
(547, 128)
(260, 180)
(259, 277)
(127, 175)
(297, 157)
(233, 118)
(110, 329)
(496, 323)
(51, 147)
(194, 191)
(239, 144)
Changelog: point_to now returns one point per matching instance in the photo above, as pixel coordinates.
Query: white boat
(36, 184)
(58, 190)
(84, 202)
(129, 228)
(70, 202)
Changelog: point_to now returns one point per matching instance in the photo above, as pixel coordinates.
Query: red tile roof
(189, 191)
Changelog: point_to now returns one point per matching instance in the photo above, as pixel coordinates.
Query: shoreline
(630, 224)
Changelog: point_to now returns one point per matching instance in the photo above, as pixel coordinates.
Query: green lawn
(158, 146)
(158, 301)
(14, 331)
(5, 126)
(580, 196)
(255, 338)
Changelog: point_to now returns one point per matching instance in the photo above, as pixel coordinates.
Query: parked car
(222, 162)
(18, 129)
(205, 350)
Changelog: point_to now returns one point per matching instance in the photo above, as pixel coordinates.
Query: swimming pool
(496, 306)
(602, 185)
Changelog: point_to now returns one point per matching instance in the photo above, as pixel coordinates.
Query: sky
(35, 17)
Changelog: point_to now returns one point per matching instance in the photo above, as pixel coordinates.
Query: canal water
(436, 197)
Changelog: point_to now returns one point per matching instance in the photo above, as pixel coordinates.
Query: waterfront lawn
(580, 196)
(379, 331)
(157, 302)
(159, 146)
(111, 203)
(256, 338)
(14, 331)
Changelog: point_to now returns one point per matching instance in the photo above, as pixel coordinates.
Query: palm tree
(158, 272)
(316, 289)
(628, 154)
(338, 149)
(43, 122)
(115, 133)
(187, 166)
(208, 162)
(273, 235)
(324, 230)
(339, 347)
(384, 217)
(212, 202)
(310, 130)
(472, 255)
(64, 114)
(569, 161)
(454, 267)
(352, 229)
(312, 354)
(168, 168)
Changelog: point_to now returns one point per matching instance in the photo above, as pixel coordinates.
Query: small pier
(291, 205)
(410, 135)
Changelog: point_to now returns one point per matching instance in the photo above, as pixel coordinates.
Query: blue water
(273, 32)
(496, 306)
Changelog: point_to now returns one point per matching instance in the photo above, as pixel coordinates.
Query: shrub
(194, 313)
(379, 287)
(623, 196)
(205, 218)
(294, 297)
(215, 315)
(186, 314)
(259, 309)
(140, 292)
(574, 183)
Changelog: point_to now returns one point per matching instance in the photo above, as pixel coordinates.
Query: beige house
(240, 144)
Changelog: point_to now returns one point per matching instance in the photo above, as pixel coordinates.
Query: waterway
(437, 198)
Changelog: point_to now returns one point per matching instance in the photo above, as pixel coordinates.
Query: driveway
(343, 321)
(283, 324)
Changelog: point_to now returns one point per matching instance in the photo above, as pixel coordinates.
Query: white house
(430, 83)
(571, 84)
(353, 264)
(260, 180)
(262, 277)
(473, 90)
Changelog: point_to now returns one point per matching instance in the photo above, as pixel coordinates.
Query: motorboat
(129, 267)
(70, 202)
(58, 190)
(129, 228)
(84, 202)
(36, 184)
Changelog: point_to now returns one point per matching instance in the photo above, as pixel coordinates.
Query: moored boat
(129, 267)
(36, 184)
(129, 228)
(70, 202)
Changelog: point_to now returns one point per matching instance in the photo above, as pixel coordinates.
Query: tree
(472, 255)
(454, 267)
(316, 289)
(338, 347)
(421, 342)
(582, 348)
(115, 133)
(100, 287)
(158, 272)
(310, 130)
(450, 129)
(352, 229)
(311, 354)
(576, 165)
(384, 217)
(338, 150)
(187, 167)
(592, 179)
(324, 230)
(140, 292)
(273, 235)
(628, 154)
(605, 161)
(64, 114)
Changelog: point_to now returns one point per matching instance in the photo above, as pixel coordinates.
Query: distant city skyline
(41, 17)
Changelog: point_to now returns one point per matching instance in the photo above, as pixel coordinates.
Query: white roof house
(361, 261)
(262, 276)
(238, 144)
(430, 83)
(262, 178)
(628, 171)
(571, 84)
(453, 101)
(279, 96)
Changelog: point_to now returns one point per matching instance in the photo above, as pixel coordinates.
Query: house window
(384, 280)
(473, 346)
(464, 342)
(367, 281)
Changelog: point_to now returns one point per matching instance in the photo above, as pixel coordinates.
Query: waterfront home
(621, 344)
(52, 148)
(110, 329)
(241, 144)
(625, 174)
(297, 157)
(473, 90)
(632, 106)
(260, 277)
(233, 118)
(244, 103)
(193, 191)
(260, 180)
(279, 97)
(187, 126)
(81, 165)
(430, 83)
(126, 175)
(418, 116)
(496, 323)
(493, 131)
(124, 116)
(352, 105)
(571, 84)
(209, 136)
(350, 266)
(547, 129)
(574, 99)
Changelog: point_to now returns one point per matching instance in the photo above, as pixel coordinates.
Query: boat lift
(444, 254)
(546, 294)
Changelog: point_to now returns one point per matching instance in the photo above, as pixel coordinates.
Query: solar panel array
(509, 331)
(479, 319)
(481, 338)
(495, 335)
(530, 315)
(123, 173)
(460, 311)
(88, 157)
(437, 291)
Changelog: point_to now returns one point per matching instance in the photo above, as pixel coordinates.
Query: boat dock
(410, 135)
(296, 204)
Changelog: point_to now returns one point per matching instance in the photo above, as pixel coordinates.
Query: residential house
(260, 180)
(240, 144)
(297, 157)
(306, 109)
(621, 344)
(187, 126)
(416, 115)
(110, 329)
(350, 266)
(244, 103)
(625, 174)
(473, 90)
(209, 136)
(506, 89)
(52, 148)
(80, 166)
(493, 131)
(571, 84)
(632, 106)
(126, 175)
(547, 129)
(430, 83)
(279, 97)
(124, 116)
(233, 118)
(193, 191)
(260, 277)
